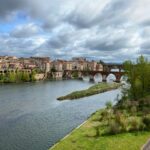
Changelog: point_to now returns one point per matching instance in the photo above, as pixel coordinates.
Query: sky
(108, 30)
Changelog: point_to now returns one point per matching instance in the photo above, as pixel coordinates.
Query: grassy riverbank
(85, 138)
(96, 89)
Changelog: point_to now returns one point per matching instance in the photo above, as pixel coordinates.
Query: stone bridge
(92, 74)
(108, 68)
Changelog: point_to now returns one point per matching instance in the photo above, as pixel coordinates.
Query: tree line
(138, 74)
(13, 77)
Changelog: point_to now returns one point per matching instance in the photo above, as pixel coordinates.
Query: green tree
(32, 76)
(12, 77)
(25, 77)
(53, 69)
(143, 71)
(75, 75)
(18, 76)
(1, 78)
(138, 75)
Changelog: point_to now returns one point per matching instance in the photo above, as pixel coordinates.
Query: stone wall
(39, 76)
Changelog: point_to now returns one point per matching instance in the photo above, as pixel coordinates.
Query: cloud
(101, 13)
(8, 8)
(112, 30)
(26, 30)
(111, 39)
(14, 46)
(145, 47)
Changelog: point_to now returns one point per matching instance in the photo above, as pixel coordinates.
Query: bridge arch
(98, 77)
(123, 78)
(111, 77)
(86, 77)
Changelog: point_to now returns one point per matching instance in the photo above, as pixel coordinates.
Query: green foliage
(13, 77)
(134, 124)
(146, 121)
(97, 132)
(104, 114)
(25, 77)
(133, 110)
(53, 69)
(75, 74)
(114, 128)
(122, 121)
(1, 78)
(32, 75)
(138, 75)
(18, 76)
(108, 105)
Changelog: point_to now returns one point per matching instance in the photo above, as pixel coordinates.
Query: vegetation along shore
(95, 89)
(17, 77)
(125, 126)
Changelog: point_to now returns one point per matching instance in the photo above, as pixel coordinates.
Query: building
(79, 59)
(4, 65)
(92, 65)
(57, 65)
(15, 65)
(48, 67)
(43, 63)
(79, 63)
(80, 66)
(67, 65)
(99, 67)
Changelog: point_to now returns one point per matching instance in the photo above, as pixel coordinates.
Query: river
(32, 119)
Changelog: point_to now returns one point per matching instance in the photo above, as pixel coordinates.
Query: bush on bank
(17, 77)
(132, 111)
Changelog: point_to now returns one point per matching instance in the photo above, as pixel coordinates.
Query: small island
(95, 89)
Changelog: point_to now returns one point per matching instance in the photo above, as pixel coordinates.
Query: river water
(32, 119)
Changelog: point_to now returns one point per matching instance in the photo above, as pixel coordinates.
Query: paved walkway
(146, 146)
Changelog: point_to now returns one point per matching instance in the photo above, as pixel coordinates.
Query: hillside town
(44, 65)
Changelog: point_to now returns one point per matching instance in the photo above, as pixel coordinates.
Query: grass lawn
(95, 89)
(84, 139)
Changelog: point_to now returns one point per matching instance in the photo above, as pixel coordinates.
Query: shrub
(104, 114)
(145, 110)
(122, 121)
(133, 110)
(108, 105)
(134, 124)
(114, 128)
(75, 75)
(97, 133)
(146, 121)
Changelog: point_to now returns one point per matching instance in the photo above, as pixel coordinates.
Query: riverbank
(95, 89)
(85, 137)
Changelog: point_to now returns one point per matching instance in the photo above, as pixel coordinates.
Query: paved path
(146, 146)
